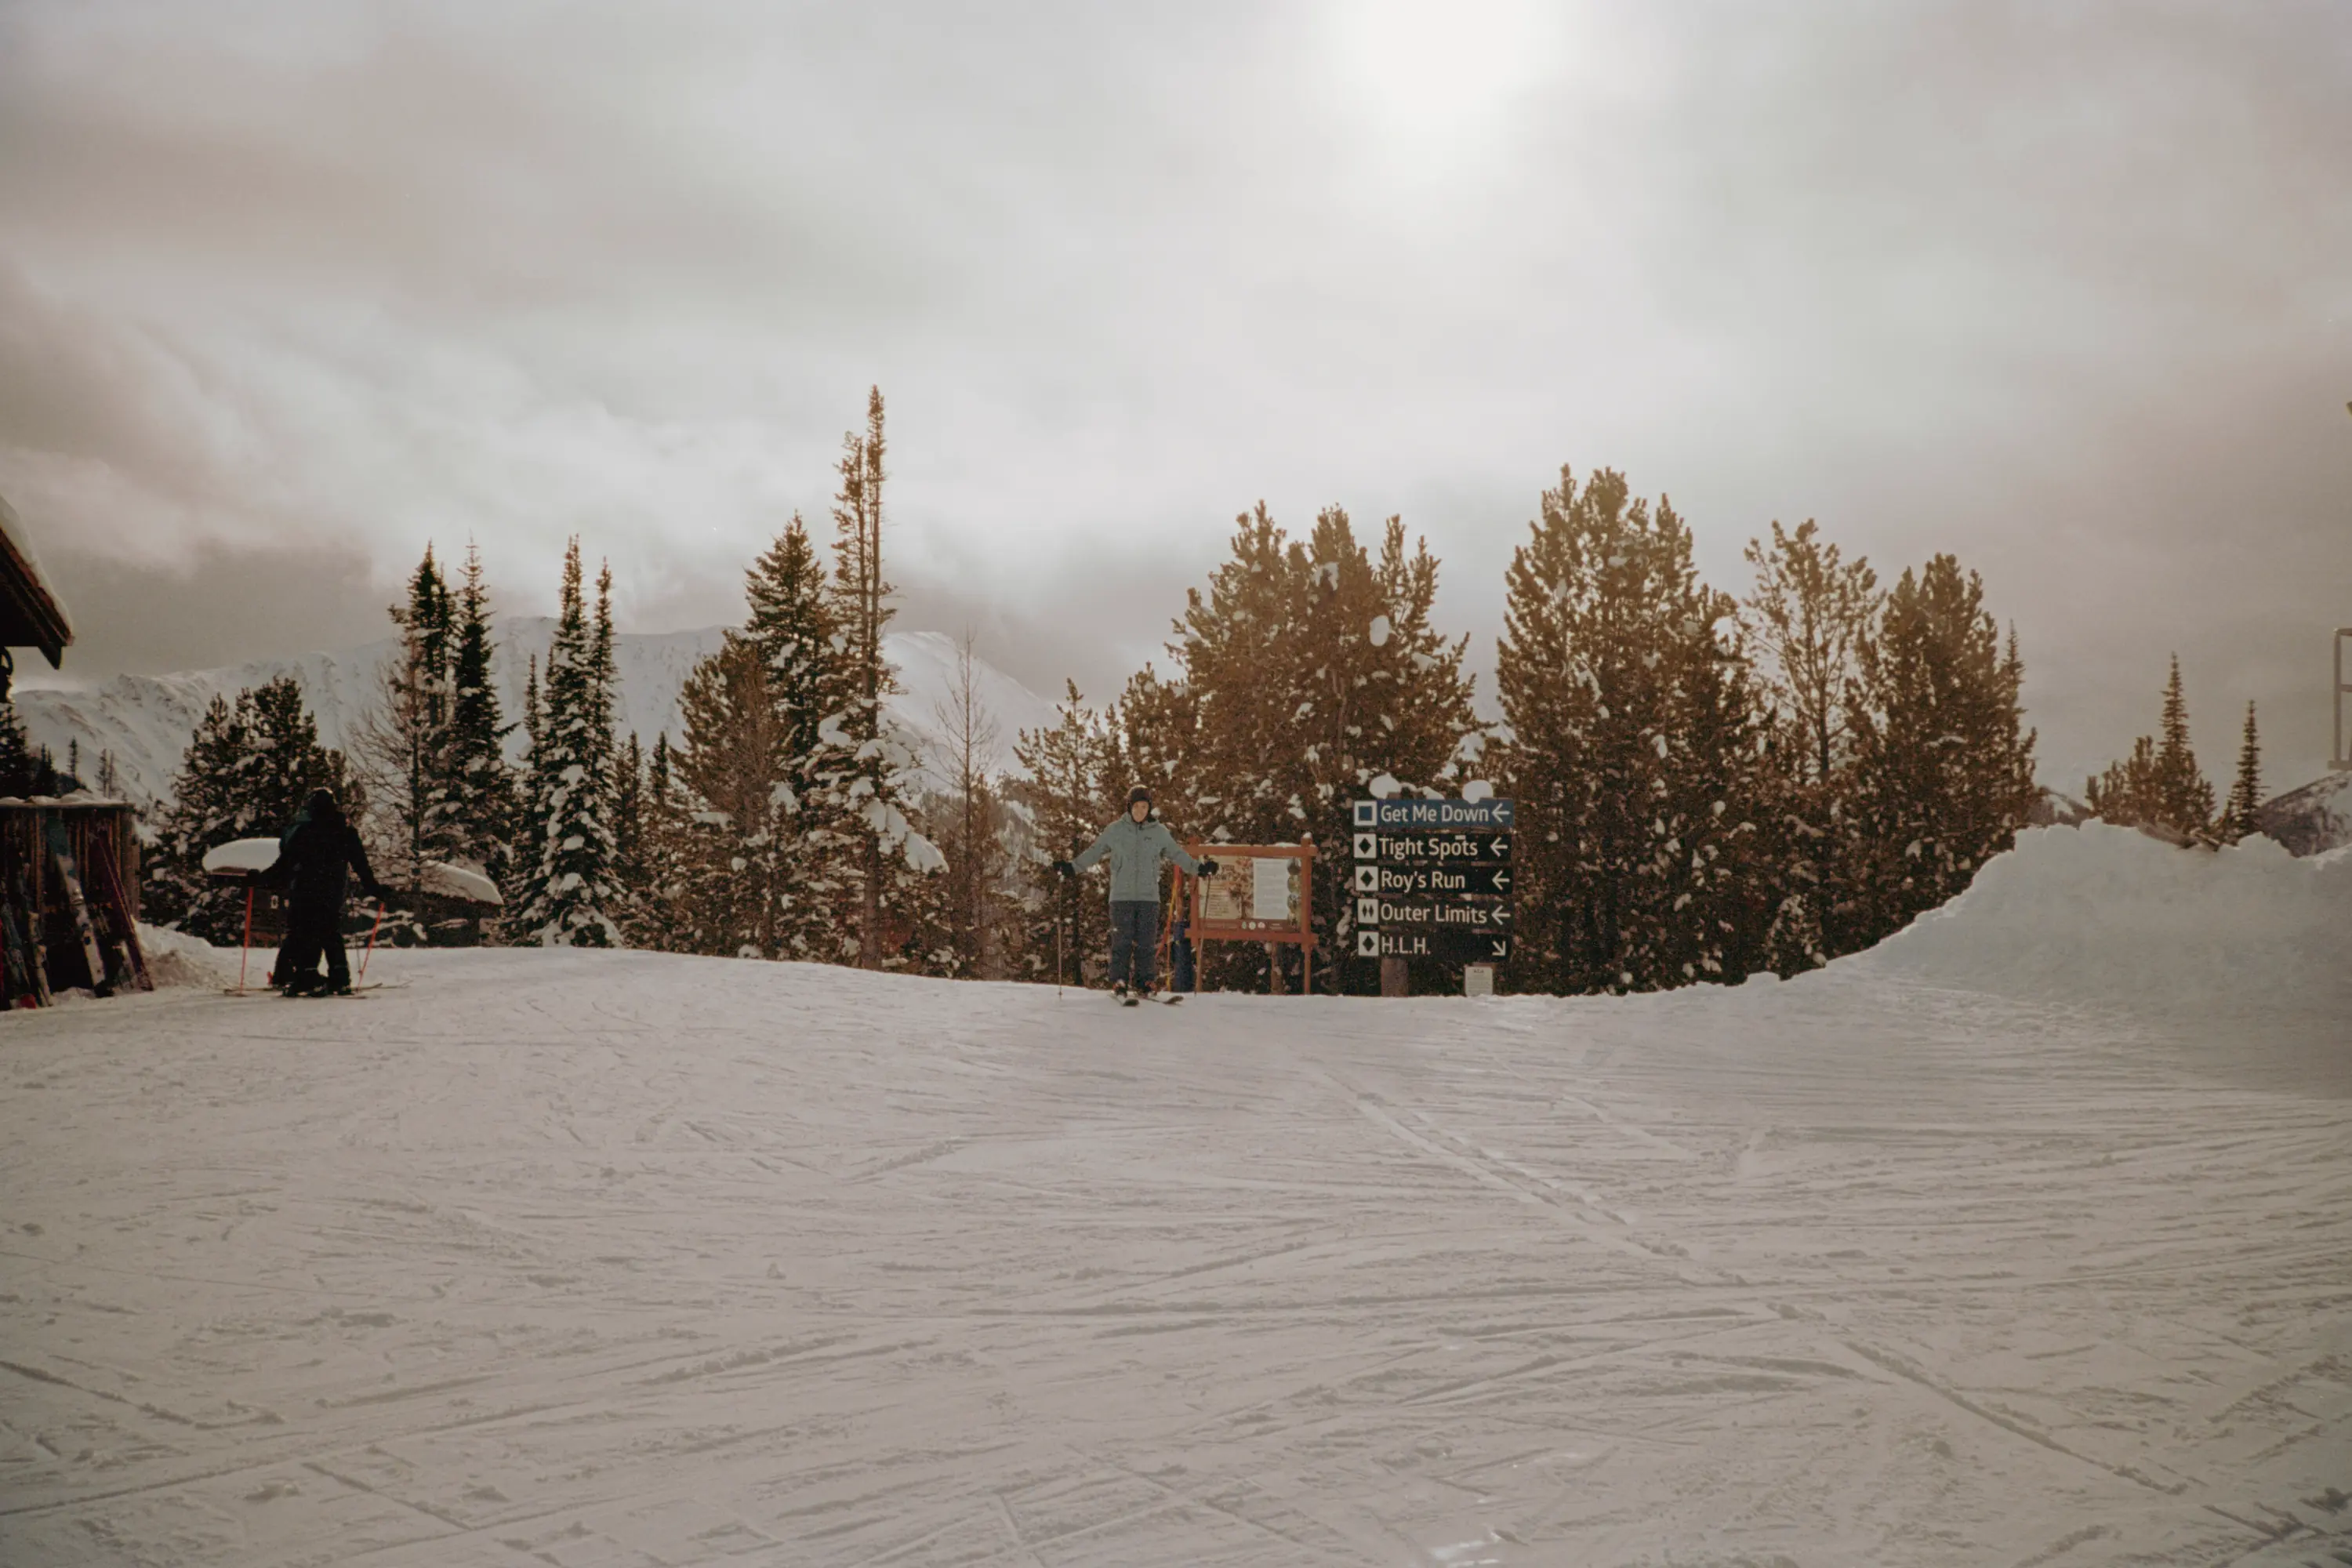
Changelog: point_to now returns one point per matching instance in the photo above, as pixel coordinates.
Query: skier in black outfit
(1135, 846)
(311, 860)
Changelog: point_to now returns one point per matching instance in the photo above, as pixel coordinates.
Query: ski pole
(247, 947)
(369, 948)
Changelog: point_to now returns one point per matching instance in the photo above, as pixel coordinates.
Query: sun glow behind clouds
(1431, 84)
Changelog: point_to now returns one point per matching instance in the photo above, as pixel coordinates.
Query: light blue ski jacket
(1136, 849)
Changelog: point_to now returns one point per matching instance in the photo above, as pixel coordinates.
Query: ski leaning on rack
(61, 854)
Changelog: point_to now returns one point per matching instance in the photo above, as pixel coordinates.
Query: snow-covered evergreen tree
(478, 802)
(570, 897)
(1944, 765)
(404, 734)
(867, 778)
(1309, 668)
(654, 917)
(1632, 751)
(738, 840)
(244, 774)
(1805, 631)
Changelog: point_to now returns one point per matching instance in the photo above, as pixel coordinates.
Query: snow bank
(175, 958)
(2108, 915)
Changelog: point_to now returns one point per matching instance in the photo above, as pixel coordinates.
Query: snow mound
(175, 958)
(2107, 915)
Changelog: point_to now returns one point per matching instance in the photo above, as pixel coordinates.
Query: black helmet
(1141, 793)
(321, 803)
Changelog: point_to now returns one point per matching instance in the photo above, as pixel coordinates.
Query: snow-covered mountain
(2313, 819)
(146, 720)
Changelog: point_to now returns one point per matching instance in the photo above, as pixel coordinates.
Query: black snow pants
(313, 932)
(1134, 943)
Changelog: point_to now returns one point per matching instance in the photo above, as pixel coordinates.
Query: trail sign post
(1432, 878)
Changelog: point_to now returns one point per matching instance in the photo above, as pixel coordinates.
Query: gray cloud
(2059, 289)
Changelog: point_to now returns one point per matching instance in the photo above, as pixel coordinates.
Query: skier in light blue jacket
(1135, 845)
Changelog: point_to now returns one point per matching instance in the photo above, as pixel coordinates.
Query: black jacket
(311, 860)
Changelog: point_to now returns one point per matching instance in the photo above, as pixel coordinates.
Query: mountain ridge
(146, 720)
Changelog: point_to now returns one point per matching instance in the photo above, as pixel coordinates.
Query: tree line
(1709, 786)
(2160, 787)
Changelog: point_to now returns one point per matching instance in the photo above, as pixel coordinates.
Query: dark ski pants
(1134, 943)
(309, 935)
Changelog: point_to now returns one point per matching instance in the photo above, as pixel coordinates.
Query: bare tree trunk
(971, 734)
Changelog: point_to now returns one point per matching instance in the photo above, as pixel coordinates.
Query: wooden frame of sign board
(1235, 904)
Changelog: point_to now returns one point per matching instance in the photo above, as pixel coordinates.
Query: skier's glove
(1065, 868)
(1208, 868)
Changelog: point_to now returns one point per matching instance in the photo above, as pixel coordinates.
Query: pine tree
(571, 895)
(19, 763)
(1309, 668)
(738, 901)
(1945, 766)
(479, 800)
(110, 778)
(403, 737)
(1070, 773)
(527, 841)
(869, 785)
(629, 828)
(793, 625)
(1632, 751)
(2184, 799)
(654, 915)
(2242, 818)
(1806, 630)
(2159, 786)
(2124, 794)
(246, 770)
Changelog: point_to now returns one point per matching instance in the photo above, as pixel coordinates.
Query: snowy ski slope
(1937, 1257)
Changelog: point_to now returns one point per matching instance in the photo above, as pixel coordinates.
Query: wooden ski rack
(69, 898)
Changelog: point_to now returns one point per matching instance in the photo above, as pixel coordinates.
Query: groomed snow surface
(2026, 1239)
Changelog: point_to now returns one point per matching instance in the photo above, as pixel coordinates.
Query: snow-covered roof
(30, 615)
(241, 857)
(458, 882)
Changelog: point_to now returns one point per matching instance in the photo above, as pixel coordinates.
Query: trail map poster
(1272, 882)
(1259, 894)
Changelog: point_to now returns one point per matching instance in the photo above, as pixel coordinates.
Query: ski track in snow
(589, 1259)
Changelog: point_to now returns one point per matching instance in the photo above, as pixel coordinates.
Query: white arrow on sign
(1500, 847)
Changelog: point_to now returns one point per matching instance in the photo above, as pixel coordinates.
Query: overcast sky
(287, 289)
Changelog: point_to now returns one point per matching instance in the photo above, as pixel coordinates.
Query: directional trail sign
(1433, 880)
(1446, 946)
(1485, 815)
(1476, 877)
(1491, 916)
(1406, 848)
